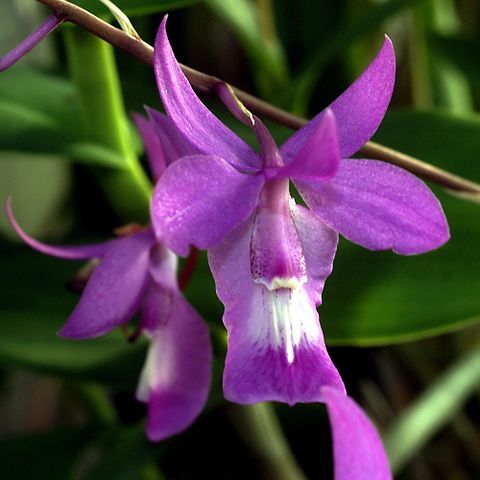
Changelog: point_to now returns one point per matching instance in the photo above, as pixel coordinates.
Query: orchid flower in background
(137, 273)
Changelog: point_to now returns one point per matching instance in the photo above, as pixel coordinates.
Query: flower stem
(261, 431)
(93, 69)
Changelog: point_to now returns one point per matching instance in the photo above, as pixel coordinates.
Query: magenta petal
(319, 157)
(379, 206)
(174, 144)
(176, 377)
(357, 448)
(227, 95)
(70, 252)
(204, 131)
(319, 244)
(276, 350)
(114, 292)
(199, 199)
(153, 147)
(163, 266)
(358, 111)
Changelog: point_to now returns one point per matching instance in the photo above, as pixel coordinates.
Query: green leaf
(38, 455)
(25, 129)
(134, 7)
(433, 409)
(447, 141)
(50, 95)
(35, 305)
(95, 154)
(375, 298)
(39, 114)
(38, 185)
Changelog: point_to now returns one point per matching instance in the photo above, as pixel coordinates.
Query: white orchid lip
(292, 319)
(291, 283)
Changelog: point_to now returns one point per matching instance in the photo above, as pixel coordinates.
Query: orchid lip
(292, 319)
(291, 283)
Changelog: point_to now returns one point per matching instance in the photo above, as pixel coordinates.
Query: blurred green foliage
(299, 55)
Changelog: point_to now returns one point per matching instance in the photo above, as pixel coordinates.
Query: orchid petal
(70, 252)
(163, 266)
(379, 206)
(199, 199)
(114, 292)
(153, 146)
(357, 448)
(176, 377)
(174, 144)
(319, 157)
(319, 244)
(204, 131)
(276, 350)
(358, 111)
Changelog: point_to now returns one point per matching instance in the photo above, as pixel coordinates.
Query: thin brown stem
(207, 83)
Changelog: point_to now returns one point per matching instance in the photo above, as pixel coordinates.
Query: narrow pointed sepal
(68, 252)
(174, 144)
(357, 447)
(153, 147)
(204, 131)
(114, 292)
(358, 111)
(319, 158)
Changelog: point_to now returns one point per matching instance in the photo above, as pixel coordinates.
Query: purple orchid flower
(137, 273)
(270, 258)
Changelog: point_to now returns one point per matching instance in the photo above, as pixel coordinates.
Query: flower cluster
(269, 257)
(138, 273)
